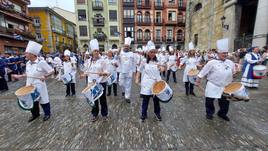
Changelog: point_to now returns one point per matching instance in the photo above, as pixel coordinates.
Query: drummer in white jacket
(127, 68)
(219, 74)
(171, 64)
(69, 67)
(112, 64)
(97, 72)
(37, 72)
(150, 74)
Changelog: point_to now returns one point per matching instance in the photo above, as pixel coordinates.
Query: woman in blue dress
(251, 59)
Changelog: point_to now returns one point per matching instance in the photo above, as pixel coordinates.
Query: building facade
(158, 20)
(98, 19)
(52, 30)
(244, 22)
(14, 25)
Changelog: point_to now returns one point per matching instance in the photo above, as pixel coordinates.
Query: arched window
(147, 35)
(197, 7)
(139, 17)
(180, 35)
(147, 17)
(139, 34)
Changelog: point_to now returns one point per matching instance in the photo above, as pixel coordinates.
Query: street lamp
(222, 23)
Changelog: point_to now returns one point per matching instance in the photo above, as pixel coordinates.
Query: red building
(14, 25)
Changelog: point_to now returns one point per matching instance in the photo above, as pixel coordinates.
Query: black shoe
(105, 118)
(67, 95)
(33, 118)
(158, 117)
(175, 82)
(193, 94)
(143, 118)
(127, 100)
(94, 119)
(108, 94)
(187, 94)
(73, 95)
(123, 93)
(224, 117)
(46, 117)
(209, 117)
(115, 94)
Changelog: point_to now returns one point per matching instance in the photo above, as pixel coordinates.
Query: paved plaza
(184, 126)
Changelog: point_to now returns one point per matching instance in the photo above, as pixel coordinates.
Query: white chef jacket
(219, 74)
(70, 68)
(37, 69)
(190, 63)
(150, 74)
(127, 62)
(98, 66)
(248, 58)
(171, 64)
(57, 62)
(162, 59)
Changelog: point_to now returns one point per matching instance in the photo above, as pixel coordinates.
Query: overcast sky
(64, 4)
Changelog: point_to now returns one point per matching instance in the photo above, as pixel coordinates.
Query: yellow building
(52, 30)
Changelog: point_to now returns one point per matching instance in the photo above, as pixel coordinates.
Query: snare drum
(92, 92)
(111, 79)
(192, 75)
(259, 71)
(162, 91)
(236, 92)
(26, 97)
(66, 78)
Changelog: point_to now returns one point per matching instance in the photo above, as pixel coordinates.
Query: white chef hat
(144, 48)
(191, 46)
(87, 52)
(163, 48)
(33, 48)
(128, 41)
(114, 50)
(94, 44)
(170, 48)
(223, 45)
(67, 53)
(139, 49)
(150, 45)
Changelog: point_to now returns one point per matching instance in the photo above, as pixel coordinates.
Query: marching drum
(259, 71)
(236, 92)
(192, 75)
(162, 91)
(26, 97)
(92, 92)
(111, 79)
(66, 78)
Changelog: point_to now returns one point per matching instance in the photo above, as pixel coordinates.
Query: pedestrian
(41, 70)
(219, 73)
(3, 82)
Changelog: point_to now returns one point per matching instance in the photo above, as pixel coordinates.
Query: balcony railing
(158, 39)
(128, 4)
(146, 22)
(169, 40)
(181, 23)
(9, 9)
(170, 22)
(14, 33)
(97, 5)
(143, 6)
(158, 21)
(128, 20)
(36, 24)
(182, 8)
(159, 5)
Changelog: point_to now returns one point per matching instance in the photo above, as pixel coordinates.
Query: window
(129, 13)
(197, 7)
(158, 34)
(158, 17)
(147, 2)
(171, 1)
(129, 32)
(82, 15)
(38, 36)
(83, 30)
(195, 39)
(113, 31)
(36, 21)
(180, 3)
(180, 18)
(113, 15)
(180, 35)
(139, 17)
(57, 24)
(147, 35)
(80, 1)
(139, 35)
(169, 34)
(147, 17)
(112, 2)
(171, 16)
(2, 21)
(139, 2)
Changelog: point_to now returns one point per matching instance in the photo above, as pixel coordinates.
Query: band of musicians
(214, 75)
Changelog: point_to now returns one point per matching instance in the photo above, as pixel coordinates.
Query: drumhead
(193, 72)
(232, 87)
(88, 87)
(259, 67)
(158, 87)
(24, 90)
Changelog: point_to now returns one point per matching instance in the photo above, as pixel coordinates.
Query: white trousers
(125, 81)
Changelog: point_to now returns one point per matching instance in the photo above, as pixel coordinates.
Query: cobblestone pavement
(184, 126)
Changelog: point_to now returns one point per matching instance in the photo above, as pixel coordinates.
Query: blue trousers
(145, 103)
(223, 104)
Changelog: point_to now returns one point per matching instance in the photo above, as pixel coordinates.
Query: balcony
(158, 40)
(27, 2)
(172, 5)
(144, 23)
(100, 36)
(128, 4)
(159, 5)
(16, 34)
(171, 23)
(181, 23)
(97, 5)
(182, 8)
(128, 21)
(158, 22)
(169, 40)
(144, 6)
(36, 24)
(8, 9)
